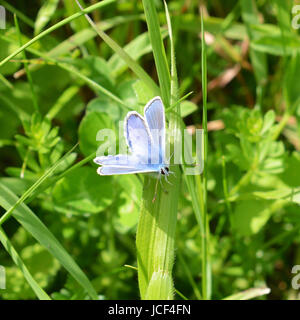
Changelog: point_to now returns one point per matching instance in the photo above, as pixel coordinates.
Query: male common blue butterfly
(145, 138)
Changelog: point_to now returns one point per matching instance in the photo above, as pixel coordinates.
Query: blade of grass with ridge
(258, 59)
(159, 53)
(249, 294)
(16, 207)
(41, 233)
(206, 267)
(157, 223)
(133, 65)
(40, 293)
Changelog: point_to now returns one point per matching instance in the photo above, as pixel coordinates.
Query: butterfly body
(145, 137)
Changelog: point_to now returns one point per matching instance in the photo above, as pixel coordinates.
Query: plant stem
(206, 268)
(55, 27)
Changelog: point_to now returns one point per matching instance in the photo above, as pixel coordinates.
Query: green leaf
(288, 194)
(187, 108)
(129, 202)
(160, 287)
(272, 44)
(98, 70)
(258, 59)
(41, 233)
(133, 65)
(44, 15)
(159, 53)
(249, 294)
(17, 185)
(5, 50)
(83, 191)
(136, 49)
(105, 106)
(158, 217)
(269, 119)
(290, 176)
(250, 216)
(144, 95)
(237, 156)
(291, 83)
(88, 129)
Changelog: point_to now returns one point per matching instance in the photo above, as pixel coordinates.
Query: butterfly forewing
(155, 118)
(138, 137)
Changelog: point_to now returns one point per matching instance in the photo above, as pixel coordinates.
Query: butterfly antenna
(166, 178)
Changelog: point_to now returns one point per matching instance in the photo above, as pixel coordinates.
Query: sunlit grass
(231, 70)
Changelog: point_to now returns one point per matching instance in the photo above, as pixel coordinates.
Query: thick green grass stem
(155, 239)
(206, 268)
(158, 50)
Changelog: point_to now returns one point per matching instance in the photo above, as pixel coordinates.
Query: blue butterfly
(145, 138)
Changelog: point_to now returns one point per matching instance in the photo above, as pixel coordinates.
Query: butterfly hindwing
(117, 160)
(111, 170)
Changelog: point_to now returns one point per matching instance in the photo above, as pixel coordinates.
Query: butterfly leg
(162, 186)
(155, 192)
(168, 180)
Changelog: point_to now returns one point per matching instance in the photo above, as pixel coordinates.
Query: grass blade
(206, 267)
(133, 65)
(29, 77)
(40, 293)
(249, 294)
(40, 232)
(93, 84)
(258, 59)
(138, 47)
(158, 50)
(55, 27)
(157, 224)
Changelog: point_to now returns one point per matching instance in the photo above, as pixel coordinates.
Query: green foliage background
(69, 84)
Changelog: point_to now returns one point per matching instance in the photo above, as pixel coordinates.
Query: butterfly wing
(155, 116)
(111, 170)
(138, 137)
(122, 164)
(148, 150)
(117, 160)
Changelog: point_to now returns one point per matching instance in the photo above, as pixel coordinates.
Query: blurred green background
(253, 64)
